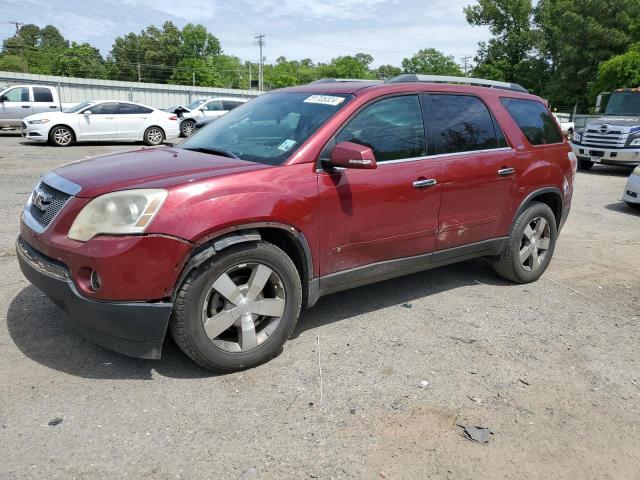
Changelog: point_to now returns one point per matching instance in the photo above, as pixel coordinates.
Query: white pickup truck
(19, 101)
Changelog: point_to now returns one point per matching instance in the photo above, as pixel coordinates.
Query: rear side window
(130, 109)
(228, 105)
(42, 95)
(461, 123)
(534, 120)
(391, 127)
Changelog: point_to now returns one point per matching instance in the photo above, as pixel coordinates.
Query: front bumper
(136, 329)
(632, 190)
(37, 133)
(623, 157)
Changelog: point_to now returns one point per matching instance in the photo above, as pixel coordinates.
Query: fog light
(95, 280)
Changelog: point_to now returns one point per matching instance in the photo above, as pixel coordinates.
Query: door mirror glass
(352, 155)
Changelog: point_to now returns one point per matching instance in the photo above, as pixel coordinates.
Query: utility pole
(19, 37)
(260, 41)
(465, 62)
(139, 74)
(193, 78)
(249, 76)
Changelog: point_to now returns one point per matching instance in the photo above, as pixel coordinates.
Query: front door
(369, 216)
(100, 124)
(213, 108)
(16, 105)
(477, 169)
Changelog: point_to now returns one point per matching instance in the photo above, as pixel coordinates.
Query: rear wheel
(187, 128)
(61, 136)
(153, 136)
(585, 164)
(237, 310)
(530, 245)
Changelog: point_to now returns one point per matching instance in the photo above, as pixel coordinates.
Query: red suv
(298, 193)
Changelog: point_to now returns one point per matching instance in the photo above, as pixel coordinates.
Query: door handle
(52, 106)
(26, 106)
(425, 183)
(108, 118)
(503, 172)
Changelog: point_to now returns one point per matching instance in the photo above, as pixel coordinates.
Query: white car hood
(50, 115)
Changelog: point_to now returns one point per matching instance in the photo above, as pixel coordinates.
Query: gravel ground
(551, 368)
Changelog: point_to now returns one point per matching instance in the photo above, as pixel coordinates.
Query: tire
(199, 304)
(187, 127)
(61, 136)
(153, 136)
(509, 264)
(584, 164)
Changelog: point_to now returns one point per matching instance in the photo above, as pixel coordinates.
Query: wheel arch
(73, 131)
(550, 196)
(164, 134)
(286, 237)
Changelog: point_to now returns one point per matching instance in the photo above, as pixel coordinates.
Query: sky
(389, 30)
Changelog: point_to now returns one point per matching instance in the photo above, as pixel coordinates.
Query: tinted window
(459, 123)
(42, 95)
(228, 105)
(18, 94)
(392, 128)
(534, 120)
(216, 106)
(130, 108)
(103, 109)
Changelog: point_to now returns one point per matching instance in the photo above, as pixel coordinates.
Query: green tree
(388, 71)
(80, 60)
(618, 72)
(430, 61)
(348, 66)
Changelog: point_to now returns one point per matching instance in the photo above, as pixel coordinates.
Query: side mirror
(86, 112)
(3, 98)
(353, 155)
(598, 103)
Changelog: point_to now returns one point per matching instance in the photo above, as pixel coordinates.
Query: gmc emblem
(41, 199)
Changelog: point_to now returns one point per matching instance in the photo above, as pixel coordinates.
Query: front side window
(392, 128)
(103, 109)
(460, 123)
(269, 128)
(42, 95)
(18, 94)
(195, 104)
(213, 106)
(534, 120)
(130, 109)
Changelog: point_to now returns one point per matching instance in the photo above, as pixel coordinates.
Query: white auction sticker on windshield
(286, 145)
(324, 100)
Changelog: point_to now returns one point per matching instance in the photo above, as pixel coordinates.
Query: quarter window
(42, 95)
(460, 123)
(18, 94)
(534, 120)
(392, 128)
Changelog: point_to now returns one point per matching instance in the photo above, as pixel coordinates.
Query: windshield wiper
(213, 151)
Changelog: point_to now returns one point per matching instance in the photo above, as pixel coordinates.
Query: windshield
(624, 104)
(269, 128)
(77, 107)
(196, 103)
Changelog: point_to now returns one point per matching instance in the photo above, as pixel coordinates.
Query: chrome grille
(58, 201)
(612, 139)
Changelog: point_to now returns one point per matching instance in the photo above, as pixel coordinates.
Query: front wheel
(530, 245)
(585, 164)
(237, 310)
(153, 136)
(61, 136)
(187, 128)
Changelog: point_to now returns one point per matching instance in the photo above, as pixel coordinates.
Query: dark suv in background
(299, 193)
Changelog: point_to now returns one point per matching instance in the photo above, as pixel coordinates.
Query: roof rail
(339, 80)
(411, 77)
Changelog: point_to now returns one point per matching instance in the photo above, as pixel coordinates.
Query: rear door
(16, 105)
(132, 120)
(43, 100)
(477, 169)
(100, 124)
(369, 216)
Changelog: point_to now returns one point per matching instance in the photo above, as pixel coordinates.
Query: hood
(148, 168)
(620, 121)
(52, 114)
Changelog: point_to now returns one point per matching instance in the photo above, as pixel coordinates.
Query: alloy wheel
(154, 135)
(62, 136)
(187, 129)
(534, 244)
(243, 307)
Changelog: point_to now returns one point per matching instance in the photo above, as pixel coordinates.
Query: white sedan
(631, 194)
(101, 121)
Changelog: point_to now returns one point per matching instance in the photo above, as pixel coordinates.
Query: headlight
(36, 122)
(577, 137)
(635, 142)
(636, 171)
(117, 213)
